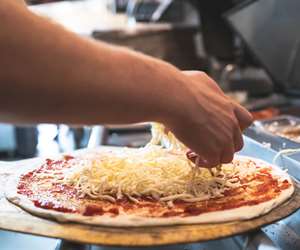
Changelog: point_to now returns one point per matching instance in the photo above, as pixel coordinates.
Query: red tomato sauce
(61, 198)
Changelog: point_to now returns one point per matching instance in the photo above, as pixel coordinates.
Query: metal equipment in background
(270, 30)
(156, 10)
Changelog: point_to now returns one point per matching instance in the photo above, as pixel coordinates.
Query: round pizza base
(236, 214)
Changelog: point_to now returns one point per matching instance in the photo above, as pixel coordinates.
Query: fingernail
(190, 154)
(200, 161)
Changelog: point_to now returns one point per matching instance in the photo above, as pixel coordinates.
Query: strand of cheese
(161, 135)
(288, 151)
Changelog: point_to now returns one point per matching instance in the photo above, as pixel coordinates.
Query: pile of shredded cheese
(160, 171)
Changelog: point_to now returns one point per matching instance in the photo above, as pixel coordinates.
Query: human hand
(207, 121)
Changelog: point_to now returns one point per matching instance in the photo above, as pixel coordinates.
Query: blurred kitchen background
(249, 47)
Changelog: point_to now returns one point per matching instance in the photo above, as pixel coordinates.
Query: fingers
(219, 120)
(237, 137)
(228, 153)
(210, 161)
(238, 140)
(213, 157)
(229, 148)
(197, 159)
(213, 160)
(243, 116)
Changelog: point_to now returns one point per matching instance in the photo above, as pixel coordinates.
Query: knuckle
(228, 138)
(203, 74)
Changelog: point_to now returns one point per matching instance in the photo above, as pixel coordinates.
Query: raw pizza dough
(132, 220)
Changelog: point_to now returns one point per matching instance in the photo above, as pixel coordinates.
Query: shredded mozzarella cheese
(161, 172)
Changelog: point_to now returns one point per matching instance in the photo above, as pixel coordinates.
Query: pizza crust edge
(229, 215)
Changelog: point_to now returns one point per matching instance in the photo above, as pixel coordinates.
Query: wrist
(172, 104)
(161, 86)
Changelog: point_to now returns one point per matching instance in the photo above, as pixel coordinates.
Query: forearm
(51, 75)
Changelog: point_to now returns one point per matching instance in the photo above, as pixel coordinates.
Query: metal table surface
(284, 234)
